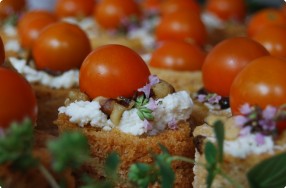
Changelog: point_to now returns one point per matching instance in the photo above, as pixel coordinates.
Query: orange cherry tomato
(263, 18)
(181, 25)
(170, 6)
(2, 52)
(273, 38)
(74, 8)
(61, 46)
(226, 60)
(151, 5)
(227, 9)
(10, 7)
(30, 25)
(111, 14)
(178, 55)
(262, 82)
(111, 71)
(17, 99)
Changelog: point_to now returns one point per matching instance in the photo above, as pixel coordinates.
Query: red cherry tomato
(227, 9)
(178, 55)
(111, 14)
(61, 46)
(74, 8)
(281, 126)
(273, 39)
(2, 52)
(181, 25)
(264, 18)
(262, 82)
(10, 7)
(17, 99)
(30, 25)
(226, 60)
(111, 71)
(170, 6)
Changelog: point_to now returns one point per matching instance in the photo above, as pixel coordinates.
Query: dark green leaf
(16, 145)
(210, 153)
(71, 149)
(166, 172)
(269, 173)
(140, 114)
(112, 165)
(210, 178)
(142, 174)
(219, 133)
(89, 182)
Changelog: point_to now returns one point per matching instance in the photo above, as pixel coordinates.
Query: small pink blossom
(267, 124)
(214, 99)
(153, 79)
(173, 124)
(269, 112)
(201, 98)
(147, 125)
(152, 105)
(240, 120)
(259, 138)
(245, 109)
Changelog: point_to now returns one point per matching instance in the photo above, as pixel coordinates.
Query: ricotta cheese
(66, 80)
(174, 107)
(12, 45)
(243, 146)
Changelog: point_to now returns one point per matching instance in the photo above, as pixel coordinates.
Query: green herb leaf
(210, 178)
(166, 172)
(142, 174)
(16, 145)
(111, 166)
(71, 149)
(210, 153)
(219, 133)
(269, 173)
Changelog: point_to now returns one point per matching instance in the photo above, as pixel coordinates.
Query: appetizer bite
(121, 107)
(255, 132)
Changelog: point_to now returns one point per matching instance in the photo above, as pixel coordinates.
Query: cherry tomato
(61, 46)
(111, 14)
(262, 82)
(10, 7)
(17, 99)
(273, 39)
(2, 52)
(30, 25)
(227, 9)
(111, 71)
(226, 60)
(178, 55)
(151, 5)
(170, 6)
(281, 126)
(74, 8)
(181, 25)
(263, 18)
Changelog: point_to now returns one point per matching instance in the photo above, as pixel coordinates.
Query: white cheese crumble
(10, 30)
(12, 45)
(211, 21)
(174, 107)
(243, 146)
(85, 112)
(66, 80)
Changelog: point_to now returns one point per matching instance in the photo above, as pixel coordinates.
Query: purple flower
(259, 138)
(172, 124)
(245, 131)
(152, 105)
(153, 79)
(267, 124)
(240, 120)
(147, 125)
(214, 99)
(269, 112)
(245, 109)
(146, 90)
(201, 98)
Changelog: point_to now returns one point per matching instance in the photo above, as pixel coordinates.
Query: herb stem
(48, 176)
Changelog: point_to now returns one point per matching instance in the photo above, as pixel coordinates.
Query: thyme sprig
(143, 112)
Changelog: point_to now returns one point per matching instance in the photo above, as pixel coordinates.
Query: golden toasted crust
(134, 149)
